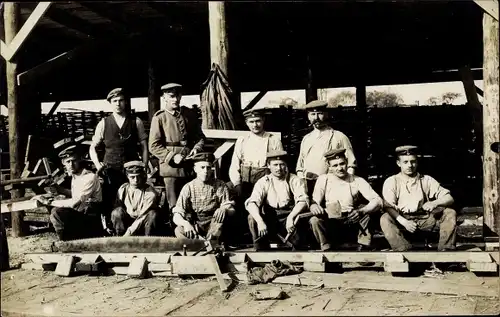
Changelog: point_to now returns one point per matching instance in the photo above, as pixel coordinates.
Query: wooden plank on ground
(262, 257)
(218, 273)
(192, 265)
(19, 205)
(107, 257)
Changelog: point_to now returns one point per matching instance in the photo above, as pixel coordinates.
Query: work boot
(365, 248)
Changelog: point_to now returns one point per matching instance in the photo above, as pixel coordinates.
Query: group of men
(322, 204)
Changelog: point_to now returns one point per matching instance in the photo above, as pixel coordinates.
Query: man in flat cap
(120, 133)
(174, 135)
(276, 200)
(79, 216)
(337, 205)
(136, 206)
(204, 205)
(311, 162)
(416, 202)
(249, 157)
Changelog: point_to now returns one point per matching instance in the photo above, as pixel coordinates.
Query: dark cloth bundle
(271, 271)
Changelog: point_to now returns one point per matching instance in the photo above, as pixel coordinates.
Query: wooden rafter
(489, 6)
(26, 29)
(255, 100)
(5, 50)
(70, 21)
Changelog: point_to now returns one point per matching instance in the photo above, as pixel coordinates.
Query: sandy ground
(44, 293)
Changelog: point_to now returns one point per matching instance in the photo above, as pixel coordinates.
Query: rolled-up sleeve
(389, 191)
(259, 193)
(298, 187)
(367, 191)
(88, 184)
(98, 136)
(436, 191)
(183, 202)
(234, 169)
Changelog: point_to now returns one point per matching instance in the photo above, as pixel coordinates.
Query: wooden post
(12, 19)
(491, 126)
(218, 35)
(311, 90)
(153, 91)
(361, 96)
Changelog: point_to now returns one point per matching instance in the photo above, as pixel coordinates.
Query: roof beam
(72, 22)
(5, 50)
(126, 22)
(26, 29)
(489, 6)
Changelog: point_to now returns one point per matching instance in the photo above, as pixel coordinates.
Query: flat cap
(316, 105)
(406, 150)
(115, 92)
(70, 151)
(254, 113)
(276, 155)
(334, 154)
(170, 86)
(203, 157)
(134, 167)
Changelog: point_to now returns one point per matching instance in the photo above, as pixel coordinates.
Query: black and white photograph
(250, 158)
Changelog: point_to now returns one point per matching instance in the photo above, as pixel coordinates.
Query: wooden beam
(27, 28)
(54, 108)
(221, 150)
(219, 51)
(70, 21)
(479, 91)
(472, 98)
(491, 126)
(361, 96)
(154, 102)
(311, 90)
(5, 50)
(255, 100)
(489, 6)
(229, 134)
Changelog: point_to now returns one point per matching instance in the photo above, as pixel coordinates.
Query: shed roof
(348, 43)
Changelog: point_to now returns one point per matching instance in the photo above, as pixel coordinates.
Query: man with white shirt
(311, 162)
(175, 134)
(276, 200)
(336, 204)
(136, 206)
(78, 216)
(120, 133)
(248, 163)
(416, 202)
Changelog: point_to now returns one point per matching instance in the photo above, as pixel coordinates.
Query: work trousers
(332, 232)
(444, 219)
(121, 220)
(72, 224)
(275, 220)
(173, 186)
(114, 176)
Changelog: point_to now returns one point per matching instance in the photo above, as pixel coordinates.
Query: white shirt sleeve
(99, 133)
(234, 169)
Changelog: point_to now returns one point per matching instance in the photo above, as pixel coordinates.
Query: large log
(491, 126)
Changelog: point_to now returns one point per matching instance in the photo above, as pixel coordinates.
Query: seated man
(276, 200)
(416, 202)
(77, 217)
(344, 215)
(136, 207)
(203, 205)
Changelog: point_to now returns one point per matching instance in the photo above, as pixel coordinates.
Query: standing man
(175, 134)
(342, 214)
(248, 164)
(204, 205)
(79, 216)
(416, 202)
(120, 133)
(311, 162)
(276, 201)
(136, 207)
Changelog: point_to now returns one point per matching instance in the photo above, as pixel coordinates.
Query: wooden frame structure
(15, 50)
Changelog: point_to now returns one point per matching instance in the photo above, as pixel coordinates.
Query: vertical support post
(12, 19)
(491, 126)
(153, 91)
(311, 90)
(361, 96)
(218, 35)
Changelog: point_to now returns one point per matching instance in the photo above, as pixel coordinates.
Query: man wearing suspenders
(311, 162)
(416, 202)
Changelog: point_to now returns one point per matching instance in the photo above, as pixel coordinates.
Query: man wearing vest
(311, 162)
(120, 133)
(248, 164)
(136, 206)
(174, 135)
(276, 201)
(416, 202)
(342, 214)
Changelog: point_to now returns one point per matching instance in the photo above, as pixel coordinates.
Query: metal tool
(300, 216)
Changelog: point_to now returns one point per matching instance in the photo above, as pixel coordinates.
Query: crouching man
(136, 207)
(342, 213)
(416, 202)
(276, 200)
(79, 216)
(204, 205)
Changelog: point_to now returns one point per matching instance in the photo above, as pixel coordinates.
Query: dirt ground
(44, 293)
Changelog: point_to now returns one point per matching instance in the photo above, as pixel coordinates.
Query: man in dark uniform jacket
(174, 135)
(120, 136)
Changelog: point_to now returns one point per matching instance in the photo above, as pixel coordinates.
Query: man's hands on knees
(317, 210)
(409, 225)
